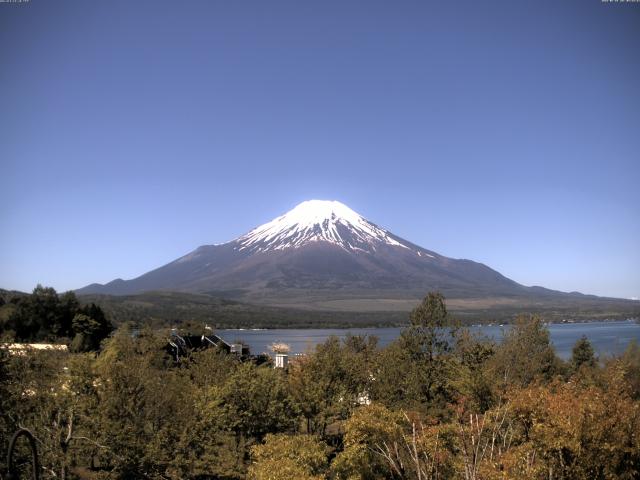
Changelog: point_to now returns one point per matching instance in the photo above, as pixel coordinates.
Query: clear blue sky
(506, 132)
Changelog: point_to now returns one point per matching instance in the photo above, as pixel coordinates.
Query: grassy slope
(170, 308)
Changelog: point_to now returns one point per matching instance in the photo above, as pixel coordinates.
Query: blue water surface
(607, 338)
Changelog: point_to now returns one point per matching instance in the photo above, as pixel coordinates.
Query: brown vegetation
(438, 407)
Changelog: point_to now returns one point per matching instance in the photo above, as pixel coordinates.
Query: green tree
(89, 331)
(472, 378)
(44, 315)
(28, 316)
(43, 307)
(329, 383)
(525, 353)
(68, 306)
(7, 324)
(204, 447)
(142, 402)
(255, 401)
(53, 395)
(415, 370)
(228, 418)
(210, 367)
(582, 354)
(6, 422)
(85, 329)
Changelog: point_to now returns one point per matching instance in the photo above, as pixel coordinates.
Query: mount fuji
(323, 253)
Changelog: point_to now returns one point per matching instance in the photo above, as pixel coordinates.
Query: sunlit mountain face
(320, 250)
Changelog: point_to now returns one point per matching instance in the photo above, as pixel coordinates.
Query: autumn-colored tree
(622, 373)
(442, 408)
(367, 431)
(425, 451)
(289, 457)
(567, 431)
(482, 440)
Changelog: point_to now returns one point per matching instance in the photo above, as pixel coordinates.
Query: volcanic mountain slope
(321, 250)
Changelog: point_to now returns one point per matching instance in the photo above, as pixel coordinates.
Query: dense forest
(46, 316)
(428, 406)
(164, 309)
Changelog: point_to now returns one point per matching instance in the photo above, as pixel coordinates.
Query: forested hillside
(179, 309)
(163, 309)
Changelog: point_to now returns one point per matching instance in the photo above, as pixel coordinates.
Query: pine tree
(582, 354)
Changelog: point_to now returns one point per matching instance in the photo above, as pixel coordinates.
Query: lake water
(607, 338)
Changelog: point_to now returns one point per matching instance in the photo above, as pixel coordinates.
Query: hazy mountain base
(160, 309)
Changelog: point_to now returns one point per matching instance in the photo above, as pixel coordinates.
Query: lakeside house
(180, 346)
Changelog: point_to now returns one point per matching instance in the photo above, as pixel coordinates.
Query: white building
(282, 360)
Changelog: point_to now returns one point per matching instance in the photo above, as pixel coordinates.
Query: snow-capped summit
(320, 249)
(323, 255)
(317, 221)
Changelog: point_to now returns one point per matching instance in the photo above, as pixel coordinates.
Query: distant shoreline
(572, 322)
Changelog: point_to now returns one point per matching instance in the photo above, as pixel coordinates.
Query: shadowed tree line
(438, 403)
(45, 316)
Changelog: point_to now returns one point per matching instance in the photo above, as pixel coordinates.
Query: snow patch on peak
(314, 212)
(317, 221)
